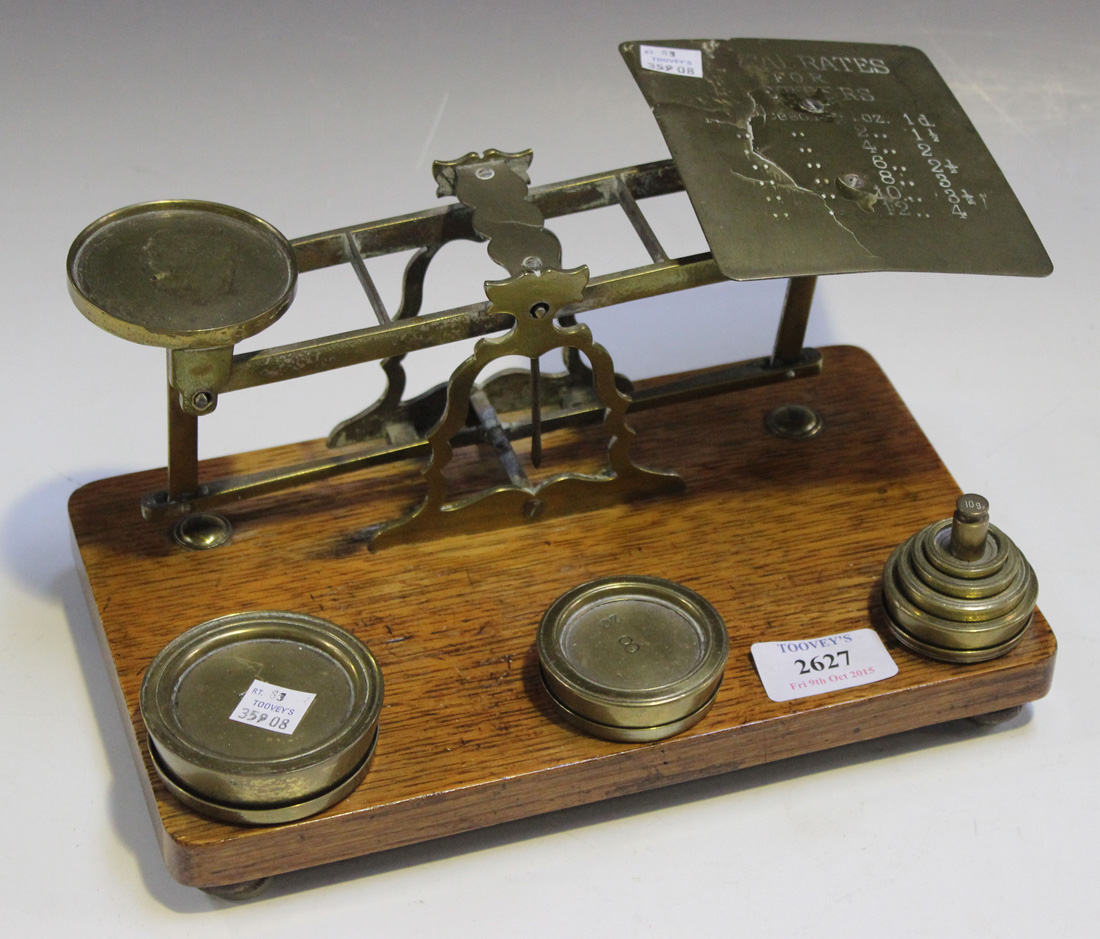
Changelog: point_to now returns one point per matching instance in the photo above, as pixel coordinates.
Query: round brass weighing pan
(632, 658)
(182, 274)
(249, 772)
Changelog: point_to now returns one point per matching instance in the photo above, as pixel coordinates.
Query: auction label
(272, 707)
(673, 61)
(801, 668)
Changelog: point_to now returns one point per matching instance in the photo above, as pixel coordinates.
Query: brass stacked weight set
(642, 587)
(960, 590)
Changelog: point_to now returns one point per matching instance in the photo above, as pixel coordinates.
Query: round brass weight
(246, 773)
(959, 590)
(632, 658)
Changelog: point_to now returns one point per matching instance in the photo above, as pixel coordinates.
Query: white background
(320, 115)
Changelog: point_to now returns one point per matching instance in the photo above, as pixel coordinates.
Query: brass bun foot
(997, 717)
(959, 590)
(245, 890)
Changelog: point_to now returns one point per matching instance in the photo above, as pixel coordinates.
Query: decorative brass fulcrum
(959, 590)
(494, 186)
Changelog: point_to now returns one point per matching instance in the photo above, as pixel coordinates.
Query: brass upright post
(183, 448)
(792, 324)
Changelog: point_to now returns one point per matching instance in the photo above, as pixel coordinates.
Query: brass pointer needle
(536, 416)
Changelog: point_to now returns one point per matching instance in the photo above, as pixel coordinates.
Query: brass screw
(794, 421)
(203, 531)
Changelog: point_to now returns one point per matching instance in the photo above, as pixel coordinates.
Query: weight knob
(959, 590)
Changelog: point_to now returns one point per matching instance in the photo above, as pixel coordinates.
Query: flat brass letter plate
(806, 158)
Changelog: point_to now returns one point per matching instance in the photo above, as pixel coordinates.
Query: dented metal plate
(825, 157)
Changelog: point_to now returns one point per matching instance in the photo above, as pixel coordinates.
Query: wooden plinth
(786, 538)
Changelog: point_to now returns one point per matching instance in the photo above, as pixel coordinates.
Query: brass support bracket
(494, 186)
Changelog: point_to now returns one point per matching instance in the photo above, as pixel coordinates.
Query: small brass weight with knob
(959, 590)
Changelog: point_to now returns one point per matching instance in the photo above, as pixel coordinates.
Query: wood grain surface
(786, 538)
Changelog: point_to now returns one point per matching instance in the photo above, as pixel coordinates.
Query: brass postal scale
(523, 590)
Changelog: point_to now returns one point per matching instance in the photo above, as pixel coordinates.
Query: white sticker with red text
(800, 668)
(673, 61)
(272, 707)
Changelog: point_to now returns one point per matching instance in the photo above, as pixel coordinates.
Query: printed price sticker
(802, 668)
(674, 61)
(272, 707)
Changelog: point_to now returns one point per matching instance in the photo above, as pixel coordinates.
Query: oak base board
(786, 538)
